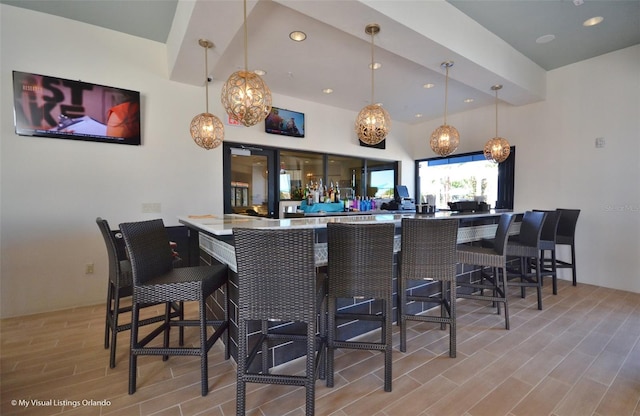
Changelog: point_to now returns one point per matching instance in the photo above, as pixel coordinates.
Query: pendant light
(245, 96)
(445, 139)
(497, 149)
(206, 129)
(373, 121)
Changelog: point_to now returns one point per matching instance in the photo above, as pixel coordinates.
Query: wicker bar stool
(527, 247)
(121, 286)
(494, 258)
(156, 280)
(278, 283)
(567, 236)
(360, 267)
(428, 254)
(548, 244)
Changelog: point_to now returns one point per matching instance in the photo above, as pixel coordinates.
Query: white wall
(52, 190)
(558, 165)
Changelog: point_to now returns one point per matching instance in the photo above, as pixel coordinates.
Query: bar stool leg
(452, 323)
(504, 288)
(388, 345)
(241, 388)
(573, 264)
(331, 307)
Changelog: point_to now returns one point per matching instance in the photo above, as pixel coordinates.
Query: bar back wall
(52, 190)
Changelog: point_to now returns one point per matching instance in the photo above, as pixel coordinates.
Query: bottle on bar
(330, 193)
(316, 194)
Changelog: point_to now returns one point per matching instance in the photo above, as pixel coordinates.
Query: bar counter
(221, 226)
(213, 238)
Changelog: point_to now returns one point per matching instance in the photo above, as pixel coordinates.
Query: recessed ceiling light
(429, 85)
(593, 21)
(259, 72)
(327, 90)
(468, 100)
(375, 65)
(418, 115)
(297, 36)
(545, 39)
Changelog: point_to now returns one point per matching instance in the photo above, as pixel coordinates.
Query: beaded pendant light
(245, 96)
(445, 139)
(373, 121)
(497, 149)
(206, 129)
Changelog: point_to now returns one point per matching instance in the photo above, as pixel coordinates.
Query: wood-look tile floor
(579, 356)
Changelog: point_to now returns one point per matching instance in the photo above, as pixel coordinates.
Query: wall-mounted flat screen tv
(54, 107)
(285, 122)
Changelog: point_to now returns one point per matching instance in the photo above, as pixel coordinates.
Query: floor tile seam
(572, 388)
(582, 314)
(592, 331)
(620, 329)
(513, 330)
(377, 387)
(190, 388)
(579, 376)
(494, 356)
(295, 390)
(494, 388)
(627, 357)
(43, 383)
(483, 317)
(607, 388)
(204, 412)
(106, 411)
(402, 398)
(535, 386)
(414, 379)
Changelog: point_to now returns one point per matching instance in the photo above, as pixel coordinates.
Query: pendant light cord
(372, 68)
(206, 79)
(496, 113)
(246, 59)
(446, 94)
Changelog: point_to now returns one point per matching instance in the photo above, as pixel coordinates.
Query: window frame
(506, 175)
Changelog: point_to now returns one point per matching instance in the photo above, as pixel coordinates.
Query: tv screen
(54, 107)
(285, 122)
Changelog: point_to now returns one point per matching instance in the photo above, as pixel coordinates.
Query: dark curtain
(506, 181)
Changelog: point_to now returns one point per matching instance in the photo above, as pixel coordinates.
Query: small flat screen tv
(54, 107)
(401, 191)
(285, 122)
(381, 145)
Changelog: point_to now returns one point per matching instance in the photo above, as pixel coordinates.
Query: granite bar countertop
(224, 225)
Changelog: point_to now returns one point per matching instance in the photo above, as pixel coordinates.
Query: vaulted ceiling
(491, 42)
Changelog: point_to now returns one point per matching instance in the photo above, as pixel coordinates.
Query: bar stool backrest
(149, 250)
(360, 258)
(502, 233)
(276, 273)
(116, 253)
(550, 227)
(429, 249)
(531, 228)
(568, 222)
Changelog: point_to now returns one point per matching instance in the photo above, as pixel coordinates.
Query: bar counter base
(218, 248)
